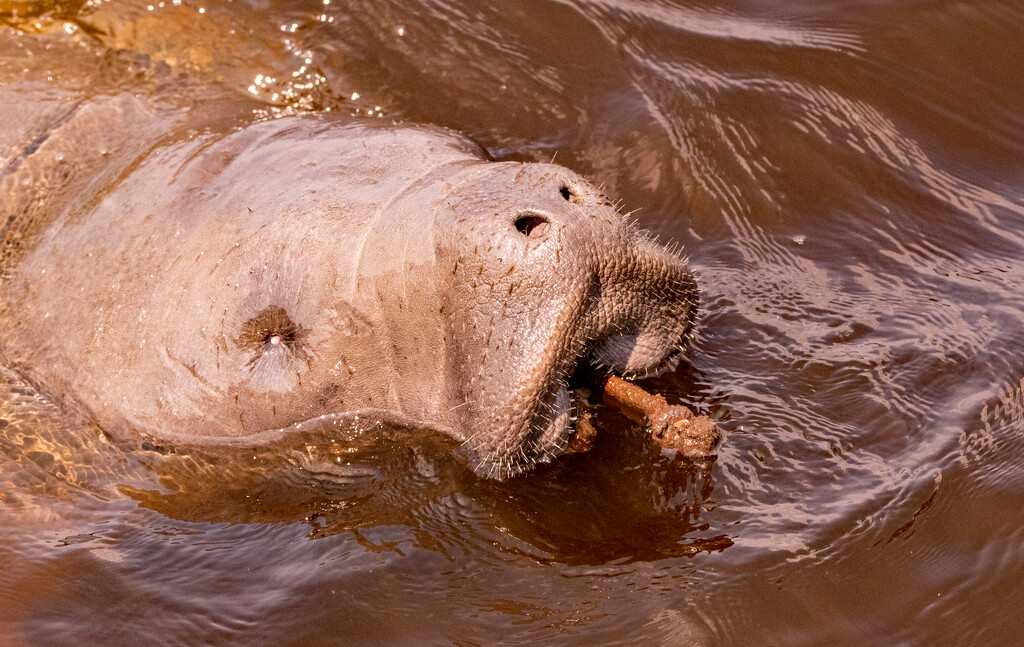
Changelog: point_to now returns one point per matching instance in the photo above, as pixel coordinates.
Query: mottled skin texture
(209, 282)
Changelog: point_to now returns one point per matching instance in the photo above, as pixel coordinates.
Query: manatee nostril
(570, 191)
(532, 225)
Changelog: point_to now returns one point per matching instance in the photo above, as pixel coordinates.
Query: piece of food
(672, 426)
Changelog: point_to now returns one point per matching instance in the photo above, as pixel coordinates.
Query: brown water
(847, 178)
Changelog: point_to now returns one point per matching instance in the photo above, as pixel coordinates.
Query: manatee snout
(556, 278)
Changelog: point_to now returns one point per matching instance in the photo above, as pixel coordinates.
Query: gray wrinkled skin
(221, 283)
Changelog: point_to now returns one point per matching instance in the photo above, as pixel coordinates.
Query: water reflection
(371, 475)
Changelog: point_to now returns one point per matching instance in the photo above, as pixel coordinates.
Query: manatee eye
(532, 225)
(276, 349)
(271, 328)
(566, 192)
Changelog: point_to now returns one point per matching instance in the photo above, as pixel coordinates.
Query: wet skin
(234, 283)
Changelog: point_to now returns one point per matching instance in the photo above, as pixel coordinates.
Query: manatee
(175, 275)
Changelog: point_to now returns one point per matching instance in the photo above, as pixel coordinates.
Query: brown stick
(673, 426)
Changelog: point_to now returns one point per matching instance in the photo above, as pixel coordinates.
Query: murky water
(847, 178)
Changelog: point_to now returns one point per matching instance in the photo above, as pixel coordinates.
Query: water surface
(846, 178)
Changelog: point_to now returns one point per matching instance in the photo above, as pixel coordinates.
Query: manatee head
(237, 284)
(542, 274)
